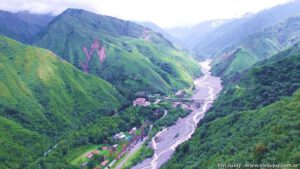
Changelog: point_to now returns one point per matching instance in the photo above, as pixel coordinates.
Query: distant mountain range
(237, 44)
(251, 121)
(254, 119)
(164, 32)
(22, 26)
(192, 36)
(259, 46)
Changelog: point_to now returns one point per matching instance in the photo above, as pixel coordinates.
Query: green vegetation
(19, 146)
(165, 120)
(267, 135)
(263, 84)
(77, 155)
(137, 59)
(42, 99)
(143, 153)
(254, 120)
(257, 47)
(14, 26)
(49, 102)
(228, 66)
(72, 149)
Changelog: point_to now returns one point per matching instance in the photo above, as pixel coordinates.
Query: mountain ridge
(125, 43)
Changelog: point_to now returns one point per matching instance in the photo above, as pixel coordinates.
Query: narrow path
(166, 141)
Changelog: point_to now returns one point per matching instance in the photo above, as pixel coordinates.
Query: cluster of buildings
(119, 136)
(113, 148)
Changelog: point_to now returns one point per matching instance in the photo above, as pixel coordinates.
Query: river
(165, 142)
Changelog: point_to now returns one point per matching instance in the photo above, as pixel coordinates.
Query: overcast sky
(165, 13)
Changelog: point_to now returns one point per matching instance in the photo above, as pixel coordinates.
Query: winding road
(165, 142)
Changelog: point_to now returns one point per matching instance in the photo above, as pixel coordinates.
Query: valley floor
(166, 141)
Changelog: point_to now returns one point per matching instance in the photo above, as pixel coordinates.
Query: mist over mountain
(162, 31)
(257, 47)
(22, 25)
(233, 33)
(35, 19)
(193, 35)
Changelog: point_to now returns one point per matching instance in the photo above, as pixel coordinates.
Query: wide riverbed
(165, 142)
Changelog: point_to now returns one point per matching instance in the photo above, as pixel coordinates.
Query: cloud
(166, 13)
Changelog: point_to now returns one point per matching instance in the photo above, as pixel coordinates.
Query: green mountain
(255, 120)
(22, 26)
(131, 57)
(235, 32)
(43, 98)
(41, 20)
(268, 135)
(259, 46)
(265, 83)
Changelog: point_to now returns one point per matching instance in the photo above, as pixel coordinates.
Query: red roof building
(141, 102)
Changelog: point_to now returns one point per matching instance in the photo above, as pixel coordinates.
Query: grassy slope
(19, 146)
(42, 95)
(251, 121)
(132, 63)
(259, 46)
(264, 84)
(230, 64)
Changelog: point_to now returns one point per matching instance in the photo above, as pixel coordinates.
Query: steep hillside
(232, 34)
(259, 46)
(255, 120)
(22, 26)
(42, 98)
(14, 27)
(269, 135)
(130, 56)
(265, 83)
(19, 146)
(41, 91)
(41, 20)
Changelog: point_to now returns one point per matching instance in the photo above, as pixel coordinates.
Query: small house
(119, 136)
(132, 131)
(114, 147)
(90, 155)
(141, 102)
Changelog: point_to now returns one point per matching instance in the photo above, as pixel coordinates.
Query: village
(106, 156)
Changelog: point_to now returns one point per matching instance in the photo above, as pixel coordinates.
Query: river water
(165, 142)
